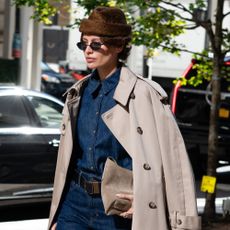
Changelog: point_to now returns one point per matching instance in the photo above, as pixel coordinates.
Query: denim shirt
(95, 142)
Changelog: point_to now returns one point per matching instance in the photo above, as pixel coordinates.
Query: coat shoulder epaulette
(157, 87)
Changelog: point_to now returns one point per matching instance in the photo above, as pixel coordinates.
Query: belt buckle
(92, 188)
(89, 188)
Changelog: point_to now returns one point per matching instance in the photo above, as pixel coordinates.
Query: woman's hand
(128, 213)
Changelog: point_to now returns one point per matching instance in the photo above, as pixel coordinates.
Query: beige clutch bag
(115, 179)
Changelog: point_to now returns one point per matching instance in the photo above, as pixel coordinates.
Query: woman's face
(103, 58)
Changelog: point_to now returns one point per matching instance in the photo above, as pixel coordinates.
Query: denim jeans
(81, 211)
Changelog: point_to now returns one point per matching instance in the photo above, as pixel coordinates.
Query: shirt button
(139, 130)
(94, 131)
(97, 113)
(152, 205)
(90, 148)
(91, 167)
(146, 166)
(100, 95)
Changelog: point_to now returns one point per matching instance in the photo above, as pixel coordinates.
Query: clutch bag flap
(115, 179)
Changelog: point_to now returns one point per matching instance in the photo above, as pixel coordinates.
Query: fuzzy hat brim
(100, 28)
(106, 21)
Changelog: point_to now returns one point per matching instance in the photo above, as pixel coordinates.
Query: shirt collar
(107, 85)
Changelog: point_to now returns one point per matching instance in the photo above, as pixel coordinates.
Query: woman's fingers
(129, 213)
(125, 196)
(54, 226)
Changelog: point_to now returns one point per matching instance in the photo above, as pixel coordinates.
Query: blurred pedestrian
(115, 113)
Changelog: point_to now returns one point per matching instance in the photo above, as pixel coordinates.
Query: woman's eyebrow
(93, 40)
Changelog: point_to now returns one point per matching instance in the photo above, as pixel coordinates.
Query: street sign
(208, 184)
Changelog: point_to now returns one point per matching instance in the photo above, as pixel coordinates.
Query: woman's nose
(88, 49)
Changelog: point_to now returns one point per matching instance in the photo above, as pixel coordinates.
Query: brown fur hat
(106, 21)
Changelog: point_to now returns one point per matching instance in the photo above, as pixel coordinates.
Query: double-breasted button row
(139, 130)
(179, 221)
(146, 166)
(152, 205)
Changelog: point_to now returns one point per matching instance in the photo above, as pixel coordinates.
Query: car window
(193, 103)
(49, 112)
(192, 107)
(12, 112)
(225, 81)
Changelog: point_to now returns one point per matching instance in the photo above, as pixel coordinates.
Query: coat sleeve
(177, 170)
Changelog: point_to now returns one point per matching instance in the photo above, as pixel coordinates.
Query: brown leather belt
(91, 187)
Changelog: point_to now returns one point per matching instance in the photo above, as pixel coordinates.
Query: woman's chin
(91, 66)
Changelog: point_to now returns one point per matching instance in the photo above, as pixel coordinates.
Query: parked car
(29, 135)
(29, 140)
(191, 106)
(79, 74)
(55, 83)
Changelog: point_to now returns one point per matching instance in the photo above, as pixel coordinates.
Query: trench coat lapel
(125, 86)
(74, 96)
(119, 113)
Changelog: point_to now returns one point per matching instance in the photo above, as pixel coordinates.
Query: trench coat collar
(123, 90)
(125, 86)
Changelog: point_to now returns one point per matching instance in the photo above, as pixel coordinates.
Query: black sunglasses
(93, 45)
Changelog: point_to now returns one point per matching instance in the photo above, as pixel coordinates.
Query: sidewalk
(40, 224)
(218, 226)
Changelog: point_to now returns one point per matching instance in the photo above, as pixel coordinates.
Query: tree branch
(178, 6)
(191, 27)
(178, 15)
(226, 51)
(225, 15)
(207, 25)
(185, 50)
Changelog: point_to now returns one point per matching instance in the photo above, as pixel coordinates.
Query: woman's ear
(118, 49)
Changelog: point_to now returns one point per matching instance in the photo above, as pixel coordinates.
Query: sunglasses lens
(81, 45)
(95, 45)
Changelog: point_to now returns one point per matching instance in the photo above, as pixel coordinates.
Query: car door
(48, 114)
(20, 146)
(29, 137)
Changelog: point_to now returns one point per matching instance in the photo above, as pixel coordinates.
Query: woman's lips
(90, 60)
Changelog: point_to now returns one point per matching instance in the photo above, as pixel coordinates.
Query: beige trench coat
(164, 196)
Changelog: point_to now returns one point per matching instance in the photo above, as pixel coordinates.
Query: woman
(115, 113)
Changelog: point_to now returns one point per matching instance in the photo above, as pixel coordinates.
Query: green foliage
(203, 71)
(43, 10)
(155, 27)
(155, 23)
(199, 4)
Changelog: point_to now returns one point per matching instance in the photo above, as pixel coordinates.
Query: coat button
(152, 205)
(146, 166)
(139, 130)
(179, 221)
(132, 95)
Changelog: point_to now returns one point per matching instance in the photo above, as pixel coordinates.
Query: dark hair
(119, 42)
